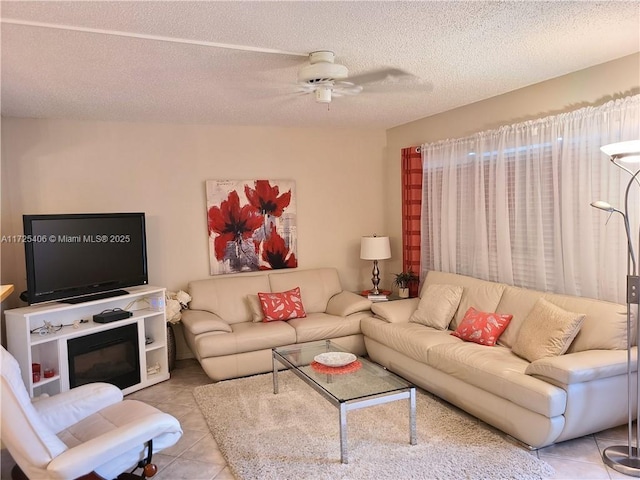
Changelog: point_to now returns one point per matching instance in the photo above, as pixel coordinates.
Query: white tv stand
(50, 350)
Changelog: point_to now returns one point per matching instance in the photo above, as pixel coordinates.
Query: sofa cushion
(246, 337)
(282, 305)
(317, 286)
(518, 302)
(437, 306)
(483, 328)
(479, 294)
(604, 326)
(256, 307)
(320, 326)
(547, 331)
(225, 295)
(412, 339)
(498, 371)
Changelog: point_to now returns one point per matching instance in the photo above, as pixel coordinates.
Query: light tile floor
(196, 455)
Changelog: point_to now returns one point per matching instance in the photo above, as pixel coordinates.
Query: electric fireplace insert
(110, 356)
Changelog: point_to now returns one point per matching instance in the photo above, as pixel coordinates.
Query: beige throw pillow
(256, 308)
(547, 331)
(437, 306)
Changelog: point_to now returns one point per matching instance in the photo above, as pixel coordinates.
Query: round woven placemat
(350, 368)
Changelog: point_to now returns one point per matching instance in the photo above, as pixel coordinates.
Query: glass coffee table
(360, 385)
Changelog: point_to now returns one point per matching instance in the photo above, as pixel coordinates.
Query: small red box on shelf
(35, 372)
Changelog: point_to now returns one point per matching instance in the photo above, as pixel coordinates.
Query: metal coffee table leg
(413, 440)
(343, 433)
(275, 373)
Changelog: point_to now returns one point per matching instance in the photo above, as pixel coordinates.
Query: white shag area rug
(295, 435)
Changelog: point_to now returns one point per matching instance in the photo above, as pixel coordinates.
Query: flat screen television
(81, 257)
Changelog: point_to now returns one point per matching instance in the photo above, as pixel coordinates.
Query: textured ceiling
(459, 53)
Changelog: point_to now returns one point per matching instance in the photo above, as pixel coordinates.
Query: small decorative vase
(171, 346)
(403, 292)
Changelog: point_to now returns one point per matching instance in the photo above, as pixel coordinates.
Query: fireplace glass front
(110, 356)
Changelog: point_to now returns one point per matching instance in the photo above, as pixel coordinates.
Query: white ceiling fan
(321, 76)
(327, 79)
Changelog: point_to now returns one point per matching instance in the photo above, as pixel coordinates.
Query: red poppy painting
(251, 225)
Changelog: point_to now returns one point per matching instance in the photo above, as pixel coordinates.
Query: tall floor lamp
(375, 248)
(625, 458)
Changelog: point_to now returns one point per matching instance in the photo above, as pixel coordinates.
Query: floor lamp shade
(628, 152)
(375, 248)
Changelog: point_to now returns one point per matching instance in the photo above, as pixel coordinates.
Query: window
(513, 204)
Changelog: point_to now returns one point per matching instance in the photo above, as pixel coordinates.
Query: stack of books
(380, 297)
(377, 297)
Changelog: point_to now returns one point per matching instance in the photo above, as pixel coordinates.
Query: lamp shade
(628, 152)
(602, 205)
(375, 248)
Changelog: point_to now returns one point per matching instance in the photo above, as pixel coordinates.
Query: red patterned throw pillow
(482, 327)
(282, 306)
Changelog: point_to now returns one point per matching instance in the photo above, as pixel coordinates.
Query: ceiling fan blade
(379, 75)
(305, 87)
(298, 93)
(346, 88)
(143, 36)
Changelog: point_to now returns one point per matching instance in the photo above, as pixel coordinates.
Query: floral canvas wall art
(251, 224)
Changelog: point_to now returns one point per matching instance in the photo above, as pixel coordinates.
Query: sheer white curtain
(513, 204)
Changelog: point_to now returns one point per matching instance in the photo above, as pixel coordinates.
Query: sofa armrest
(201, 321)
(345, 303)
(397, 311)
(582, 366)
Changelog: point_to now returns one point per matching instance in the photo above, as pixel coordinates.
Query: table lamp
(375, 248)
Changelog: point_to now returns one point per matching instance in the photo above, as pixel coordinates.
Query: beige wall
(55, 166)
(592, 86)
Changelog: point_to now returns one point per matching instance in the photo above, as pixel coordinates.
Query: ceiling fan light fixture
(323, 94)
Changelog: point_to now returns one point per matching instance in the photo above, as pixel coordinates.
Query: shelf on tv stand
(50, 350)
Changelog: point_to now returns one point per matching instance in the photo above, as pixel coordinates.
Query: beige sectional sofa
(538, 402)
(224, 330)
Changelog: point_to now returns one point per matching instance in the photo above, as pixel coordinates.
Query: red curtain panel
(411, 208)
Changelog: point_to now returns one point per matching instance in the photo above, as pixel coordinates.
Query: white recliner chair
(89, 430)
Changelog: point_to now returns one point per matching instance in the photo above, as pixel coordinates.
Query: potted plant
(402, 281)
